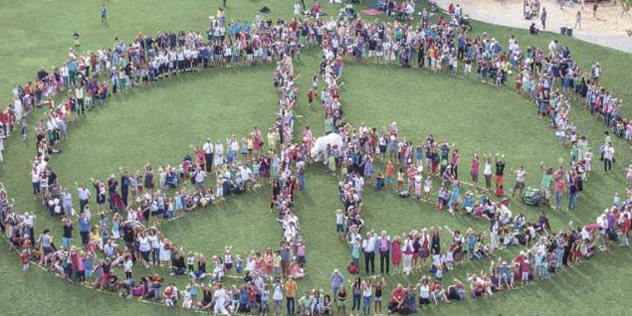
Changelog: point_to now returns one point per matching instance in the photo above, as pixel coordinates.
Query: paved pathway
(607, 30)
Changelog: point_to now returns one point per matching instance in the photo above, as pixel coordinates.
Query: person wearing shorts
(521, 175)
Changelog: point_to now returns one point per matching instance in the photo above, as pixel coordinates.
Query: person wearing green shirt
(331, 163)
(271, 140)
(305, 304)
(582, 146)
(329, 125)
(547, 177)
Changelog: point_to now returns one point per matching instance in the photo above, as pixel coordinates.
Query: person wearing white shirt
(368, 246)
(608, 157)
(407, 251)
(521, 177)
(220, 300)
(128, 265)
(208, 154)
(35, 179)
(199, 177)
(359, 185)
(84, 197)
(219, 152)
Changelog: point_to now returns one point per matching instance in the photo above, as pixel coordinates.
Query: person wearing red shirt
(625, 229)
(397, 299)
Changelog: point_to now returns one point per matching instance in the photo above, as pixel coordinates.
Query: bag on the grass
(352, 268)
(532, 196)
(403, 194)
(522, 239)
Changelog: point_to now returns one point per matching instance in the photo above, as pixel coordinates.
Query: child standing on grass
(390, 172)
(428, 187)
(310, 97)
(24, 258)
(24, 128)
(331, 163)
(339, 221)
(400, 179)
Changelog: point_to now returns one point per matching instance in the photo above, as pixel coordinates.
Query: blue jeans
(301, 181)
(65, 242)
(289, 303)
(36, 187)
(334, 291)
(560, 256)
(572, 201)
(155, 255)
(558, 198)
(366, 300)
(356, 302)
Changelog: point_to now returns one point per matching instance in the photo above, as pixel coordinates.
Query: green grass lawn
(156, 125)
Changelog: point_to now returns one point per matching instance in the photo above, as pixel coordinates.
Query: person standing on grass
(220, 300)
(625, 230)
(559, 190)
(67, 235)
(104, 13)
(487, 171)
(384, 246)
(474, 170)
(608, 157)
(500, 170)
(24, 257)
(521, 176)
(368, 247)
(337, 282)
(290, 292)
(543, 18)
(2, 137)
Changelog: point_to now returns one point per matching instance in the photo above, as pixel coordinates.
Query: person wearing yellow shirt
(290, 295)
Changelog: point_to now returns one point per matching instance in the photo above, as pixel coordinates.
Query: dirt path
(607, 29)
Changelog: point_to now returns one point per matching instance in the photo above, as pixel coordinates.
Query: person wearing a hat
(337, 281)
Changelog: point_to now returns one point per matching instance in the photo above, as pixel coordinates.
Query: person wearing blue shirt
(84, 227)
(125, 182)
(104, 13)
(337, 282)
(237, 27)
(72, 70)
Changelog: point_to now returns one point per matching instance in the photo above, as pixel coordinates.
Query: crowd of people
(131, 207)
(547, 251)
(125, 235)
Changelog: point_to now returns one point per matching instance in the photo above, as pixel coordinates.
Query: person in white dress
(165, 252)
(220, 300)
